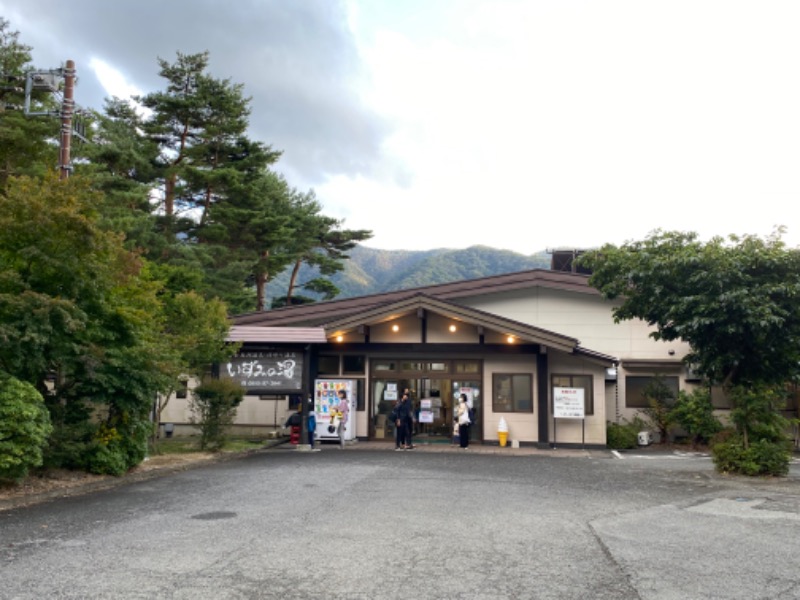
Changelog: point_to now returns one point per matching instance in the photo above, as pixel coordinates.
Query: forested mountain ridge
(373, 271)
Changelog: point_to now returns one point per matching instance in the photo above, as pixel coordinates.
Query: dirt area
(61, 482)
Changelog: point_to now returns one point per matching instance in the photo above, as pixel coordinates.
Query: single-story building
(538, 349)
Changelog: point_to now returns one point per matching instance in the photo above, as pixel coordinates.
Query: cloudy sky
(518, 124)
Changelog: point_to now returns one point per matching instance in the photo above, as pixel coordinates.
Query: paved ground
(437, 522)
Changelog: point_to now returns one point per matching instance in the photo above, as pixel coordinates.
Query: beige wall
(522, 427)
(582, 316)
(593, 427)
(253, 411)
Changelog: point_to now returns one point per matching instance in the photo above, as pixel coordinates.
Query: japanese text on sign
(568, 403)
(265, 370)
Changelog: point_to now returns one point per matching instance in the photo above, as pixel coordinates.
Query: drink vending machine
(325, 398)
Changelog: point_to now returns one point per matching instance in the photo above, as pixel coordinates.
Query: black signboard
(266, 371)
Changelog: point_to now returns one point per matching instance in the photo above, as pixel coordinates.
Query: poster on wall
(266, 371)
(568, 403)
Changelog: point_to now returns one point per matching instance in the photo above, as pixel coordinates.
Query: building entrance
(433, 400)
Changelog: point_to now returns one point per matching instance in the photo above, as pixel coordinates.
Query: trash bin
(502, 432)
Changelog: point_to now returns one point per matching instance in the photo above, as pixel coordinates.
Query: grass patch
(191, 444)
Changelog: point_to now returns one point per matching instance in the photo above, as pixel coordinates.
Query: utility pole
(67, 110)
(50, 81)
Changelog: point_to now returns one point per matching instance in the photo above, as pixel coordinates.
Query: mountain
(372, 271)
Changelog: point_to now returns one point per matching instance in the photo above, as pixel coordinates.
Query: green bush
(214, 406)
(24, 428)
(695, 415)
(621, 436)
(763, 457)
(105, 459)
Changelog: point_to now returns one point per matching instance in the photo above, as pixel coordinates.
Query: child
(311, 422)
(456, 441)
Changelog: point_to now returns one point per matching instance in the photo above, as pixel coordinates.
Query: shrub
(695, 414)
(24, 428)
(214, 406)
(622, 436)
(762, 457)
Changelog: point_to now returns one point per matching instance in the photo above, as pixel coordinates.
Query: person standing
(343, 408)
(463, 422)
(311, 423)
(410, 421)
(401, 423)
(393, 416)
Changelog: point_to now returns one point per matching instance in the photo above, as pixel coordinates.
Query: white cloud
(519, 124)
(112, 80)
(541, 124)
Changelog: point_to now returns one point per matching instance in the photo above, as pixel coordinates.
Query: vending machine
(325, 398)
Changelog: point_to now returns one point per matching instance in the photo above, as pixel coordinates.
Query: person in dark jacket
(294, 420)
(403, 418)
(410, 421)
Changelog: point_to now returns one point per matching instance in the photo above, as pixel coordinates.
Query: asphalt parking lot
(367, 522)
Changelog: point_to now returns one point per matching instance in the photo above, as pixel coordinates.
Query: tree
(661, 402)
(25, 142)
(199, 123)
(195, 332)
(121, 163)
(319, 242)
(214, 404)
(79, 309)
(735, 302)
(255, 226)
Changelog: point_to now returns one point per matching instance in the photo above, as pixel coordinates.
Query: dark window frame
(512, 404)
(640, 403)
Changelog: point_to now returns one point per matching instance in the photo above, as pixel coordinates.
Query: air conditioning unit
(645, 438)
(692, 375)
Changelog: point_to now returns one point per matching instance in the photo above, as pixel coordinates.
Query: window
(354, 364)
(512, 392)
(328, 364)
(583, 382)
(384, 365)
(635, 388)
(467, 366)
(413, 366)
(183, 390)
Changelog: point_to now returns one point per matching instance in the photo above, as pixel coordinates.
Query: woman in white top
(462, 415)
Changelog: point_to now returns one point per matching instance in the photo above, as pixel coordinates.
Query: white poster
(426, 416)
(568, 403)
